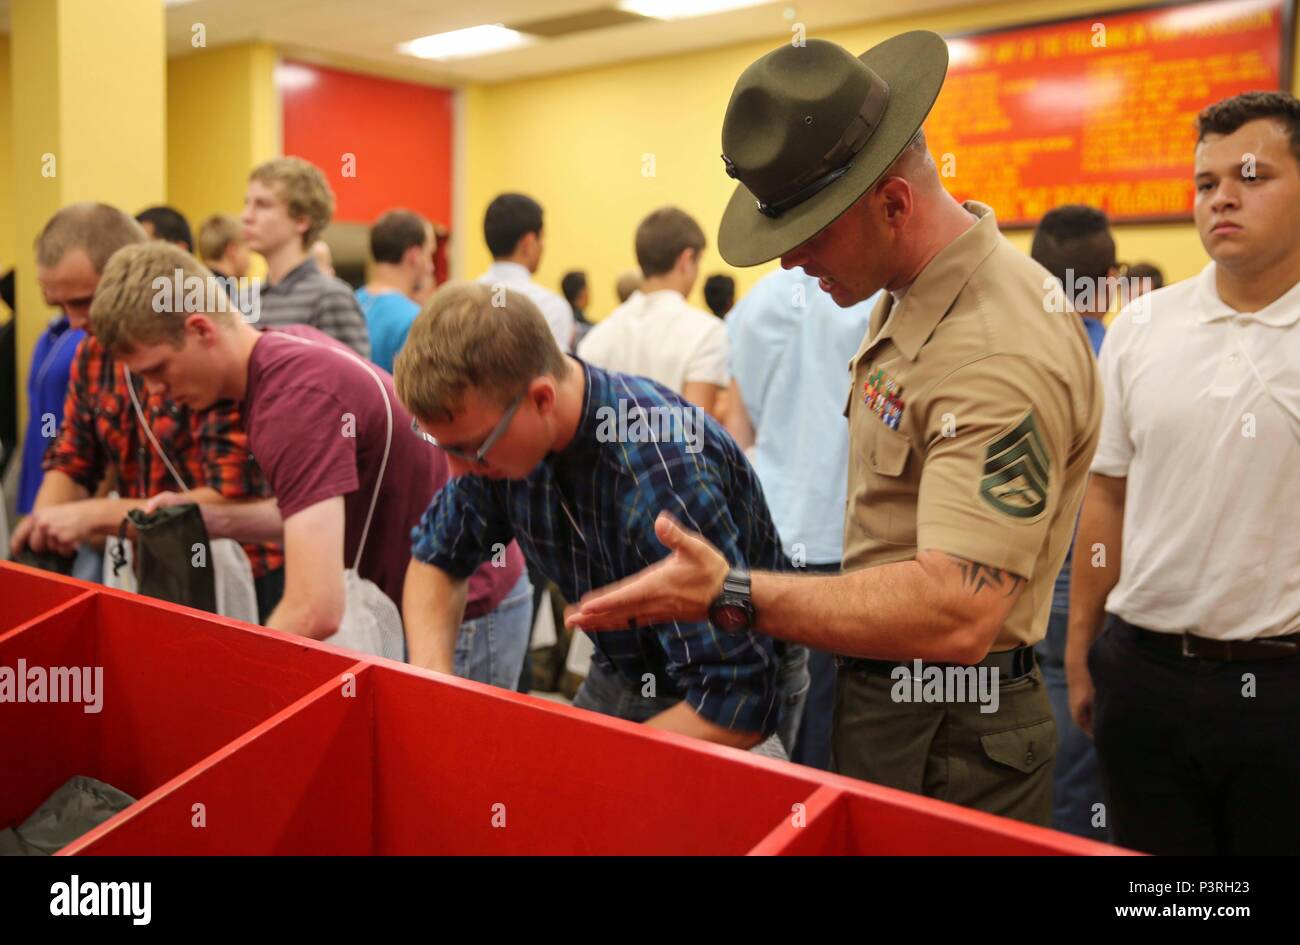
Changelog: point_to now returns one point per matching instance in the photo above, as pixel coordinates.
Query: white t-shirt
(556, 311)
(1203, 418)
(659, 336)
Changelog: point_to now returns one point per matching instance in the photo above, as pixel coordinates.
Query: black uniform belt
(1010, 664)
(1230, 651)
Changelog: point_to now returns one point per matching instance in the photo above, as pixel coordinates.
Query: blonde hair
(304, 189)
(628, 283)
(216, 233)
(97, 229)
(470, 335)
(146, 292)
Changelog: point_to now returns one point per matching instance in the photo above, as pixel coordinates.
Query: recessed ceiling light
(290, 76)
(683, 9)
(474, 41)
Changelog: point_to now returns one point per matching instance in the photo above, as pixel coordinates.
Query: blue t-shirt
(790, 350)
(1061, 593)
(388, 317)
(47, 389)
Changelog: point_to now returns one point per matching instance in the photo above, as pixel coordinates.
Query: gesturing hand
(680, 587)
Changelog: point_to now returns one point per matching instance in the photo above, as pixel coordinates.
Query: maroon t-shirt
(317, 428)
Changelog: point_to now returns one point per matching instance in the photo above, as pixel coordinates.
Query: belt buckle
(1186, 649)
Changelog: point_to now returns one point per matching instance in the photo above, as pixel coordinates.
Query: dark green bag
(173, 558)
(46, 560)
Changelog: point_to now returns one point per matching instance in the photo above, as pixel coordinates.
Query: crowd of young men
(455, 454)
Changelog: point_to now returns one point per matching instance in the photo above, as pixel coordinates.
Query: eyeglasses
(479, 455)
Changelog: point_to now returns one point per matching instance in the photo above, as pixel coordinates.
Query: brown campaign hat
(809, 129)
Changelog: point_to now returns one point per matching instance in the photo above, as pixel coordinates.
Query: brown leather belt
(1204, 648)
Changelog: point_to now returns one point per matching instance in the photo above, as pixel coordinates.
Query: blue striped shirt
(585, 518)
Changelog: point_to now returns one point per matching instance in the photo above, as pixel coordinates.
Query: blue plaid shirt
(585, 518)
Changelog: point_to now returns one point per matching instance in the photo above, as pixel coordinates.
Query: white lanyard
(144, 425)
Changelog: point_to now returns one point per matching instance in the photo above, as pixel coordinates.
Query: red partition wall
(238, 740)
(381, 143)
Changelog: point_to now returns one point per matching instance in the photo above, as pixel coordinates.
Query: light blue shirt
(388, 317)
(790, 352)
(1061, 590)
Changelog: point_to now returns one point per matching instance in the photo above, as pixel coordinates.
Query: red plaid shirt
(100, 430)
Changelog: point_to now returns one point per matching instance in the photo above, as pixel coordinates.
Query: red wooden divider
(239, 740)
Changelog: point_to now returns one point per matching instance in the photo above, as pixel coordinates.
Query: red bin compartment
(25, 594)
(176, 685)
(409, 764)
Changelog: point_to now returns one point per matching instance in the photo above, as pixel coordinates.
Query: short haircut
(1145, 270)
(462, 341)
(168, 224)
(394, 233)
(628, 283)
(1075, 238)
(662, 236)
(97, 229)
(216, 233)
(1227, 115)
(304, 189)
(509, 218)
(572, 285)
(719, 294)
(132, 307)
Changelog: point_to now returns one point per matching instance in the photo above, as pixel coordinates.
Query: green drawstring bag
(173, 557)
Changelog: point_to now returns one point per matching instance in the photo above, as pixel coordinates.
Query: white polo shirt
(659, 336)
(556, 311)
(1203, 418)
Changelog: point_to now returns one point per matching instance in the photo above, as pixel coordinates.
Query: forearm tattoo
(975, 577)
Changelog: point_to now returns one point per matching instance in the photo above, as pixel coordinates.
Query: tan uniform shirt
(973, 417)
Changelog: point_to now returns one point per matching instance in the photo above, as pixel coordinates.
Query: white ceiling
(363, 33)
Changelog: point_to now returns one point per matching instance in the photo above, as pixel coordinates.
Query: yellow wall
(223, 117)
(577, 143)
(88, 83)
(7, 229)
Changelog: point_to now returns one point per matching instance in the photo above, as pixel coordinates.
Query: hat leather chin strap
(836, 162)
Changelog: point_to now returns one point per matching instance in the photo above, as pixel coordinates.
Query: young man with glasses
(575, 463)
(321, 431)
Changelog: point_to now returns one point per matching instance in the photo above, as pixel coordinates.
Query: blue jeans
(1076, 780)
(492, 648)
(812, 746)
(793, 682)
(606, 692)
(89, 565)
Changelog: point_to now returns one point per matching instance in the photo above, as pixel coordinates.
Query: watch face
(730, 617)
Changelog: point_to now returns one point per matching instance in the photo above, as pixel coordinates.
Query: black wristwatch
(732, 611)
